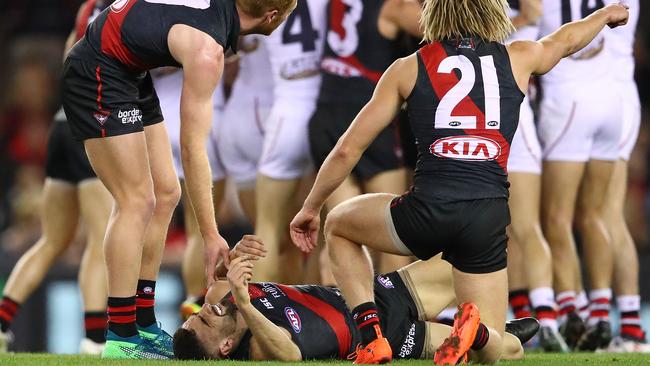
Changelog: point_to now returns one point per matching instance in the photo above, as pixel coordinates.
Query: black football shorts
(104, 99)
(471, 235)
(66, 156)
(328, 124)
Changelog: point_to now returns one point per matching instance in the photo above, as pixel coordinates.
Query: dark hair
(188, 347)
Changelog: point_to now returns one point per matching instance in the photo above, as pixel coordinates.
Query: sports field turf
(26, 359)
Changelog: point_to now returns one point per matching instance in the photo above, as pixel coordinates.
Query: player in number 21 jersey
(463, 91)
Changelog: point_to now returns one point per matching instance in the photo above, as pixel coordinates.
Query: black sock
(121, 316)
(367, 320)
(482, 337)
(145, 314)
(95, 325)
(8, 310)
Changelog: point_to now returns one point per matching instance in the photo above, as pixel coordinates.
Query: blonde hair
(487, 19)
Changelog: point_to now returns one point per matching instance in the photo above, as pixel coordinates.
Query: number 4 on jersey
(306, 35)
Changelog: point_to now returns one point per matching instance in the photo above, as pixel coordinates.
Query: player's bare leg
(59, 218)
(274, 204)
(560, 184)
(246, 196)
(598, 251)
(517, 281)
(391, 181)
(350, 225)
(626, 266)
(526, 236)
(122, 163)
(95, 204)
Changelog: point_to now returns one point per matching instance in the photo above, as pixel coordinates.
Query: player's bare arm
(529, 13)
(269, 341)
(394, 86)
(202, 60)
(251, 246)
(400, 15)
(540, 57)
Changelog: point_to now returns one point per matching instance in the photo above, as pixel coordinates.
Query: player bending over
(270, 321)
(463, 90)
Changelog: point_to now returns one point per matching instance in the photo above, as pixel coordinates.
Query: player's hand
(239, 273)
(249, 245)
(304, 230)
(617, 14)
(215, 249)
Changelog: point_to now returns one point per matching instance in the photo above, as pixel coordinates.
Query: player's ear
(271, 15)
(225, 347)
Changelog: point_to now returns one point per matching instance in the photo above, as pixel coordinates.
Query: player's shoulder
(524, 51)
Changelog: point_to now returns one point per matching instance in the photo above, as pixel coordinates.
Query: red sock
(520, 303)
(8, 310)
(121, 316)
(95, 325)
(367, 320)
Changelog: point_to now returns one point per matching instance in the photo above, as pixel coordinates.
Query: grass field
(535, 359)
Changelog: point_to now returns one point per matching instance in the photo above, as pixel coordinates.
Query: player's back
(135, 32)
(463, 110)
(295, 50)
(355, 54)
(589, 64)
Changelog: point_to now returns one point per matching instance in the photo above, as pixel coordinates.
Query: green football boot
(130, 348)
(159, 340)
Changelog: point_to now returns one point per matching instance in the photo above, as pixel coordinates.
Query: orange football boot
(454, 348)
(375, 352)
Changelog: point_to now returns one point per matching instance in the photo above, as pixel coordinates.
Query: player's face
(212, 324)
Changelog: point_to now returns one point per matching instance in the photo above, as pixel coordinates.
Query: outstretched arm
(541, 56)
(400, 15)
(202, 60)
(372, 119)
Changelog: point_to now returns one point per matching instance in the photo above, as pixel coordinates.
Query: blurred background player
(72, 191)
(580, 148)
(295, 51)
(241, 133)
(168, 83)
(530, 273)
(620, 42)
(358, 49)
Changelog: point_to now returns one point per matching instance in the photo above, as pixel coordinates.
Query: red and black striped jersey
(463, 111)
(134, 32)
(355, 54)
(315, 316)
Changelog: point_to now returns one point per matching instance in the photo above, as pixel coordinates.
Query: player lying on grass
(269, 321)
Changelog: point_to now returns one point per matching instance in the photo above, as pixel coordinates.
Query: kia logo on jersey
(293, 318)
(468, 147)
(119, 5)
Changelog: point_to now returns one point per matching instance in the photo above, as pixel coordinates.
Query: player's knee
(168, 195)
(556, 222)
(140, 206)
(586, 220)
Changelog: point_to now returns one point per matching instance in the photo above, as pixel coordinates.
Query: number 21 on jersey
(444, 113)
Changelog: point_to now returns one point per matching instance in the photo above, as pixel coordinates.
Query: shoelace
(353, 355)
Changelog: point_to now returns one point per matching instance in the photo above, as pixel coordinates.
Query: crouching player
(269, 321)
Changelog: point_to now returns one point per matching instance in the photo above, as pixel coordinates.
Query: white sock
(600, 305)
(447, 313)
(566, 301)
(543, 301)
(582, 305)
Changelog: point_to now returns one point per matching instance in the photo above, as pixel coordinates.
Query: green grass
(535, 359)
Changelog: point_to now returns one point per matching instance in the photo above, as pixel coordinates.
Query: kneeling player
(269, 321)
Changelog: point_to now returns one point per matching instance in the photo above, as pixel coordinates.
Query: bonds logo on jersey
(468, 147)
(294, 319)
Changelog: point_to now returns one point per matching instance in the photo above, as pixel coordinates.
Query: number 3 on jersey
(299, 28)
(461, 90)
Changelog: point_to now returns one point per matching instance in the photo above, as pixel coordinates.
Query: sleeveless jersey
(589, 64)
(356, 54)
(295, 50)
(315, 316)
(134, 32)
(254, 66)
(463, 111)
(620, 43)
(525, 33)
